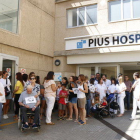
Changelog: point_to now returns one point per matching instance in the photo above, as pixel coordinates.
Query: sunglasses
(32, 78)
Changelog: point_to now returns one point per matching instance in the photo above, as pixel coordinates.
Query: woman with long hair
(101, 89)
(25, 79)
(112, 88)
(72, 99)
(50, 95)
(36, 87)
(38, 80)
(6, 83)
(83, 89)
(19, 86)
(121, 95)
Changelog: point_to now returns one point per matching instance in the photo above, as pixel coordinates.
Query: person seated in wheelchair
(29, 103)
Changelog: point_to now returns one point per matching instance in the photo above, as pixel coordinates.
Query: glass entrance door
(87, 71)
(9, 66)
(110, 71)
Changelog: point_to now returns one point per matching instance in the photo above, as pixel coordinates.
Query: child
(62, 104)
(59, 88)
(95, 104)
(104, 103)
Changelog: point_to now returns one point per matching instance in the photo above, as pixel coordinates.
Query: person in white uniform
(121, 95)
(107, 82)
(2, 99)
(101, 89)
(136, 95)
(112, 88)
(6, 83)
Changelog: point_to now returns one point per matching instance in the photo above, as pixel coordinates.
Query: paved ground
(107, 129)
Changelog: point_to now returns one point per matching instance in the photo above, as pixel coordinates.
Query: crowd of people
(73, 97)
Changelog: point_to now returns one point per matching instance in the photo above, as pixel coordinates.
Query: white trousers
(121, 104)
(136, 104)
(50, 104)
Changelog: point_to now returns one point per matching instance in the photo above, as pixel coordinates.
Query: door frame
(9, 57)
(97, 67)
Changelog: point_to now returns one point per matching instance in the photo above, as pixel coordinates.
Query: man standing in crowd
(127, 92)
(107, 82)
(96, 78)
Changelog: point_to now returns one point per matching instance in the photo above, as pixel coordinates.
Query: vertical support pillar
(118, 70)
(97, 69)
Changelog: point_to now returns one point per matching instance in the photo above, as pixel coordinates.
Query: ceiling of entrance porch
(130, 66)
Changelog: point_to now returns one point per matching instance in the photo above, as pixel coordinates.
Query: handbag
(7, 91)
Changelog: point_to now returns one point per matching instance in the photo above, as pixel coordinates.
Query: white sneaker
(131, 119)
(5, 117)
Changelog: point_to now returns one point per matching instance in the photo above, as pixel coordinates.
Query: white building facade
(99, 36)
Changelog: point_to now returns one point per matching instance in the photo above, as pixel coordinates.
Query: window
(115, 10)
(136, 8)
(9, 15)
(82, 16)
(91, 12)
(124, 9)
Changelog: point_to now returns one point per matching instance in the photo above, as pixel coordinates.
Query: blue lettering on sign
(80, 44)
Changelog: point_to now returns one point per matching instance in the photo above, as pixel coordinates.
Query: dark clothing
(16, 103)
(127, 99)
(71, 94)
(88, 105)
(24, 111)
(128, 85)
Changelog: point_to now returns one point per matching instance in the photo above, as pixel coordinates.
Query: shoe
(131, 119)
(50, 123)
(120, 115)
(69, 119)
(82, 123)
(5, 117)
(34, 126)
(63, 118)
(60, 118)
(25, 126)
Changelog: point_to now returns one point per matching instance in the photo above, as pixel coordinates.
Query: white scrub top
(102, 90)
(136, 85)
(3, 81)
(107, 83)
(2, 98)
(112, 88)
(120, 88)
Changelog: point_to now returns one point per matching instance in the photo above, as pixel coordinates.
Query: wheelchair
(30, 116)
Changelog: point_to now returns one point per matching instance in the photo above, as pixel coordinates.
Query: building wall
(102, 27)
(34, 42)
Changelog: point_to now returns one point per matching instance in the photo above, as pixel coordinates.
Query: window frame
(122, 12)
(85, 24)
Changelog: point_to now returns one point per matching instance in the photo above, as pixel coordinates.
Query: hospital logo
(80, 44)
